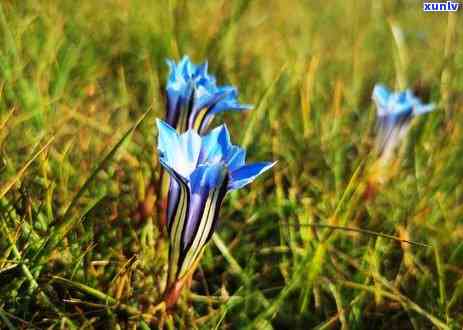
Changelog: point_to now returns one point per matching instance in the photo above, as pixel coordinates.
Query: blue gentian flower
(193, 97)
(203, 169)
(395, 111)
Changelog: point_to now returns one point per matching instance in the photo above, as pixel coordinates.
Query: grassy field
(316, 242)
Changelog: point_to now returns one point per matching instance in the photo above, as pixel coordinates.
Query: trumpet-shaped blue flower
(193, 97)
(395, 111)
(203, 169)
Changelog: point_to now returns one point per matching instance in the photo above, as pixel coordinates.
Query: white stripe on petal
(206, 224)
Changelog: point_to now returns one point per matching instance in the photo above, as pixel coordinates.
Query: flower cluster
(395, 111)
(193, 97)
(202, 166)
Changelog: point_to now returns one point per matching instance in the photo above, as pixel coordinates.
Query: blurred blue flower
(193, 97)
(395, 111)
(203, 169)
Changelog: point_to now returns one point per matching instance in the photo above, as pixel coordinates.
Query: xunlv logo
(440, 6)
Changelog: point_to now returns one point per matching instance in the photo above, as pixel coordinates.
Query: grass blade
(101, 165)
(7, 186)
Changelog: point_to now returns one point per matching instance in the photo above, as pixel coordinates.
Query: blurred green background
(80, 246)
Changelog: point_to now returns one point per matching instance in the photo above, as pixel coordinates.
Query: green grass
(81, 84)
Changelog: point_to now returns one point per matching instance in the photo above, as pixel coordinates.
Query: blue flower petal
(380, 96)
(207, 177)
(246, 174)
(215, 145)
(395, 103)
(179, 89)
(205, 181)
(229, 101)
(180, 153)
(201, 70)
(167, 141)
(205, 98)
(423, 108)
(236, 158)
